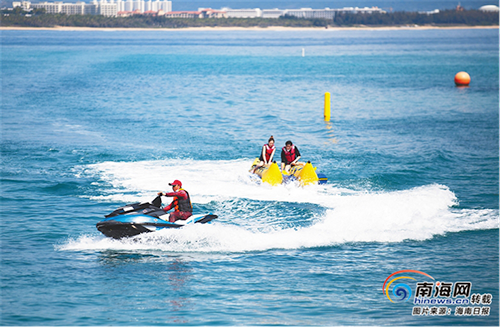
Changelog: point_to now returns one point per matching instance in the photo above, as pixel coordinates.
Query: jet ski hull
(139, 218)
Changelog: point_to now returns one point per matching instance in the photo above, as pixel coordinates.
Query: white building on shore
(489, 8)
(142, 6)
(78, 8)
(97, 7)
(164, 7)
(242, 13)
(308, 13)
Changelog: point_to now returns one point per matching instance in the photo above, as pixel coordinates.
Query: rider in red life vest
(267, 154)
(181, 203)
(290, 156)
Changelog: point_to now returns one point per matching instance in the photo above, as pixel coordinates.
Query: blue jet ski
(137, 218)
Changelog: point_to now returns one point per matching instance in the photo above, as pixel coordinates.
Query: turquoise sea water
(93, 120)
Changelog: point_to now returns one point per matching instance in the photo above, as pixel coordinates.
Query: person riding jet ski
(181, 203)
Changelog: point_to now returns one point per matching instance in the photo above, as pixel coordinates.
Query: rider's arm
(272, 155)
(180, 194)
(264, 154)
(283, 157)
(297, 155)
(170, 206)
(283, 160)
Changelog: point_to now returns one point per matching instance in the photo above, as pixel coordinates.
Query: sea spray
(248, 220)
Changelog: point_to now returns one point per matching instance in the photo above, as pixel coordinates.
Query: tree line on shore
(444, 17)
(18, 18)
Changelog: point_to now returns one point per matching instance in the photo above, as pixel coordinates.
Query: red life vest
(183, 205)
(289, 155)
(269, 151)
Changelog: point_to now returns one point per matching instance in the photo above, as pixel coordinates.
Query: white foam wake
(349, 216)
(205, 180)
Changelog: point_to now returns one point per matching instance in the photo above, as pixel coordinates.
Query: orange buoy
(462, 79)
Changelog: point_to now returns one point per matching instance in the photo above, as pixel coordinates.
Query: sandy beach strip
(270, 28)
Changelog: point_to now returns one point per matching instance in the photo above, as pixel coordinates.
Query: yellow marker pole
(327, 106)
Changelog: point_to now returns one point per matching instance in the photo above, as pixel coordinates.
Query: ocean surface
(93, 120)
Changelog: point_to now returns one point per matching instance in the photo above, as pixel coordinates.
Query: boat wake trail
(332, 216)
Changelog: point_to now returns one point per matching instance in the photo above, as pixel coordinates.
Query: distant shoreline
(270, 28)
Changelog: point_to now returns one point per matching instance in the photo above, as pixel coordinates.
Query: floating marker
(327, 106)
(303, 52)
(462, 79)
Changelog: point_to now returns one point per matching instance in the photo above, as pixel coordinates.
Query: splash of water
(349, 216)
